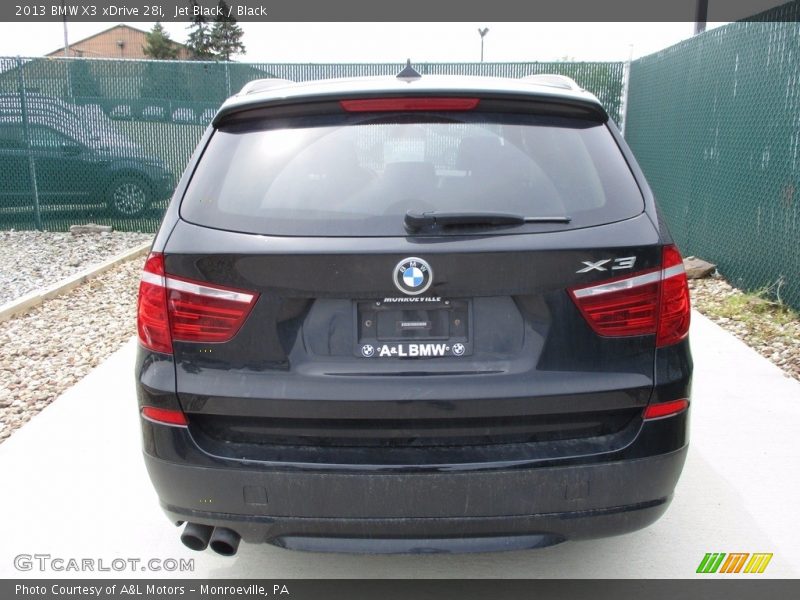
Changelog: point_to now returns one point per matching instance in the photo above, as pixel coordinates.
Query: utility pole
(483, 33)
(66, 39)
(66, 50)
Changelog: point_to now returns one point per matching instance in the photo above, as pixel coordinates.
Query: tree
(199, 42)
(158, 45)
(226, 35)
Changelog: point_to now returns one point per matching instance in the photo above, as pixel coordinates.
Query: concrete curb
(36, 298)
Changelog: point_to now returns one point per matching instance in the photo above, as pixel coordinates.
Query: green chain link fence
(715, 124)
(99, 140)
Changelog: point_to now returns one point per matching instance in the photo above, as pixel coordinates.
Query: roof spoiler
(261, 85)
(554, 80)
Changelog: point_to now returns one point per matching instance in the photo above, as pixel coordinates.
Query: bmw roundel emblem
(413, 276)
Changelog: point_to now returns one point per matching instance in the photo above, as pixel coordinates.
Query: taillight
(675, 313)
(392, 104)
(650, 302)
(152, 321)
(177, 309)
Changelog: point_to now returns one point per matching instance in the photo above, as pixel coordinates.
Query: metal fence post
(626, 81)
(27, 131)
(70, 93)
(227, 79)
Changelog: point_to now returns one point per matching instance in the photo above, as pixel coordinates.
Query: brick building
(120, 41)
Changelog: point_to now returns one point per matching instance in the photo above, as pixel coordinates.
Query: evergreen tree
(226, 35)
(158, 45)
(199, 42)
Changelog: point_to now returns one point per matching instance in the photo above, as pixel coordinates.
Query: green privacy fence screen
(715, 124)
(99, 140)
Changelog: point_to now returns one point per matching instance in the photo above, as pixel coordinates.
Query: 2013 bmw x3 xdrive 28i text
(413, 314)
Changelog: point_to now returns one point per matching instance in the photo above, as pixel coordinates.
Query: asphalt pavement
(74, 487)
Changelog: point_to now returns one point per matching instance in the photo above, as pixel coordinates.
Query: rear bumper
(460, 498)
(451, 534)
(375, 510)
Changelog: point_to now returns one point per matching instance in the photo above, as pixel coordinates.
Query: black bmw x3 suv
(413, 314)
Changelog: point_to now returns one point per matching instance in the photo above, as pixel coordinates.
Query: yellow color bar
(758, 563)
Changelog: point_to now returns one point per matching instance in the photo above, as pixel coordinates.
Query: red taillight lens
(621, 307)
(152, 321)
(391, 104)
(177, 309)
(164, 415)
(665, 409)
(675, 314)
(650, 302)
(200, 312)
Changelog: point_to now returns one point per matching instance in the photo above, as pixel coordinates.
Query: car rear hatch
(358, 278)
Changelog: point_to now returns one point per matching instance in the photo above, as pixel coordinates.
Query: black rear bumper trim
(431, 535)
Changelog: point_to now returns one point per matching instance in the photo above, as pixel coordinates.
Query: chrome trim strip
(616, 286)
(203, 290)
(673, 271)
(153, 278)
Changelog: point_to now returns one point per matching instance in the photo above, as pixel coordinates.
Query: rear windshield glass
(358, 175)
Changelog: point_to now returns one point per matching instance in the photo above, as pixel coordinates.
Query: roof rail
(260, 85)
(553, 80)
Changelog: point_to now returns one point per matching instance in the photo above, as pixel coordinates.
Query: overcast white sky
(385, 42)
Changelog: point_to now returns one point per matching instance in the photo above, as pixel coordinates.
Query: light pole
(66, 39)
(483, 33)
(66, 50)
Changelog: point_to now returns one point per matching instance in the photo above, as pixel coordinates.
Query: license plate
(413, 350)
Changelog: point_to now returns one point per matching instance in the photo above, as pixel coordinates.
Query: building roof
(106, 44)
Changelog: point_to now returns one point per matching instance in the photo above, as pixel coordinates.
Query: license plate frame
(413, 328)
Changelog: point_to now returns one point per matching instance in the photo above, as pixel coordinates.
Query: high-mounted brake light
(650, 302)
(392, 104)
(177, 309)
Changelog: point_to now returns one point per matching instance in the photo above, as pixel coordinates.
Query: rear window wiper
(435, 220)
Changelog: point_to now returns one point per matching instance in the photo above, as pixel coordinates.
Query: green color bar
(711, 562)
(717, 563)
(701, 568)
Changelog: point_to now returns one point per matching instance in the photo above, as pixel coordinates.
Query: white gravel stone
(47, 350)
(31, 260)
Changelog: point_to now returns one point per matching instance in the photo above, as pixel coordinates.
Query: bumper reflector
(665, 409)
(164, 415)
